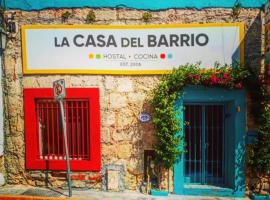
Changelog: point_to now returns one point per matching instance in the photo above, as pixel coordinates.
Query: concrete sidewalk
(31, 192)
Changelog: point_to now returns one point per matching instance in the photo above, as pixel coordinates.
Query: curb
(20, 197)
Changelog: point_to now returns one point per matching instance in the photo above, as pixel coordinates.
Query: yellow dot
(91, 56)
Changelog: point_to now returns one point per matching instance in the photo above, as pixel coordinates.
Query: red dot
(163, 56)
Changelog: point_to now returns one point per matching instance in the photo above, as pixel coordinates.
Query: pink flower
(225, 75)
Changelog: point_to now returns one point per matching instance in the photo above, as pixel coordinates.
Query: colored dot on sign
(170, 56)
(98, 56)
(163, 56)
(91, 56)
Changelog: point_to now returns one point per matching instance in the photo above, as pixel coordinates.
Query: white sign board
(149, 49)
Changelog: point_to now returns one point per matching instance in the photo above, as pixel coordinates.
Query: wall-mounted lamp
(10, 23)
(3, 41)
(7, 25)
(3, 34)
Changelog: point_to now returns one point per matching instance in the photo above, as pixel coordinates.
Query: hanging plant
(170, 89)
(236, 10)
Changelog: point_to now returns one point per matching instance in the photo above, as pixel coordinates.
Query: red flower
(197, 77)
(225, 75)
(213, 79)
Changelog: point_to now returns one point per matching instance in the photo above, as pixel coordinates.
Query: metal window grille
(50, 130)
(204, 138)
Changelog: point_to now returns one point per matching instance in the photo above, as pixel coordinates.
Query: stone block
(125, 119)
(105, 135)
(47, 14)
(78, 184)
(136, 97)
(28, 15)
(118, 100)
(106, 14)
(118, 136)
(113, 180)
(2, 180)
(125, 85)
(30, 82)
(20, 123)
(109, 151)
(124, 14)
(124, 151)
(110, 83)
(108, 119)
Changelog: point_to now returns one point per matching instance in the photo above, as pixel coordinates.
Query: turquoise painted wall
(138, 4)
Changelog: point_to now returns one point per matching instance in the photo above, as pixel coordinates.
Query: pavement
(20, 192)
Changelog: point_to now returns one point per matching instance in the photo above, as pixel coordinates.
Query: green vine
(65, 16)
(236, 10)
(147, 16)
(170, 89)
(91, 17)
(258, 153)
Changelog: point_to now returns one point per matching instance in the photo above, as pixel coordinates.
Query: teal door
(204, 139)
(212, 162)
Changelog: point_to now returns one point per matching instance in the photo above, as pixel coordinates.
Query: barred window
(47, 143)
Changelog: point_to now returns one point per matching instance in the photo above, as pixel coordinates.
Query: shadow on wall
(253, 45)
(252, 60)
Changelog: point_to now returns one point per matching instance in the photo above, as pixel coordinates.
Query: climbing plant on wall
(258, 153)
(171, 88)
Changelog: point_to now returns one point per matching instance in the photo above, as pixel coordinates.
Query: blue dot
(170, 56)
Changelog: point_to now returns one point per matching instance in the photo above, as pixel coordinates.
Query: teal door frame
(236, 127)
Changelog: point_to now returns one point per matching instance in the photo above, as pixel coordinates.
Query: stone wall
(122, 98)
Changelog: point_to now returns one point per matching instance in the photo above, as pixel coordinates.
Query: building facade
(109, 143)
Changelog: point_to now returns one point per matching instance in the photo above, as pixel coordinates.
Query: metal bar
(200, 145)
(82, 125)
(72, 130)
(195, 135)
(47, 129)
(204, 150)
(38, 117)
(63, 142)
(87, 130)
(224, 145)
(68, 125)
(40, 121)
(77, 129)
(57, 130)
(212, 145)
(217, 142)
(189, 143)
(66, 146)
(52, 114)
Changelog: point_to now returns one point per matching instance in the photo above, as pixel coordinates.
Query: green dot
(98, 56)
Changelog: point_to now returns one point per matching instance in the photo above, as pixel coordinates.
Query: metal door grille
(204, 138)
(50, 131)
